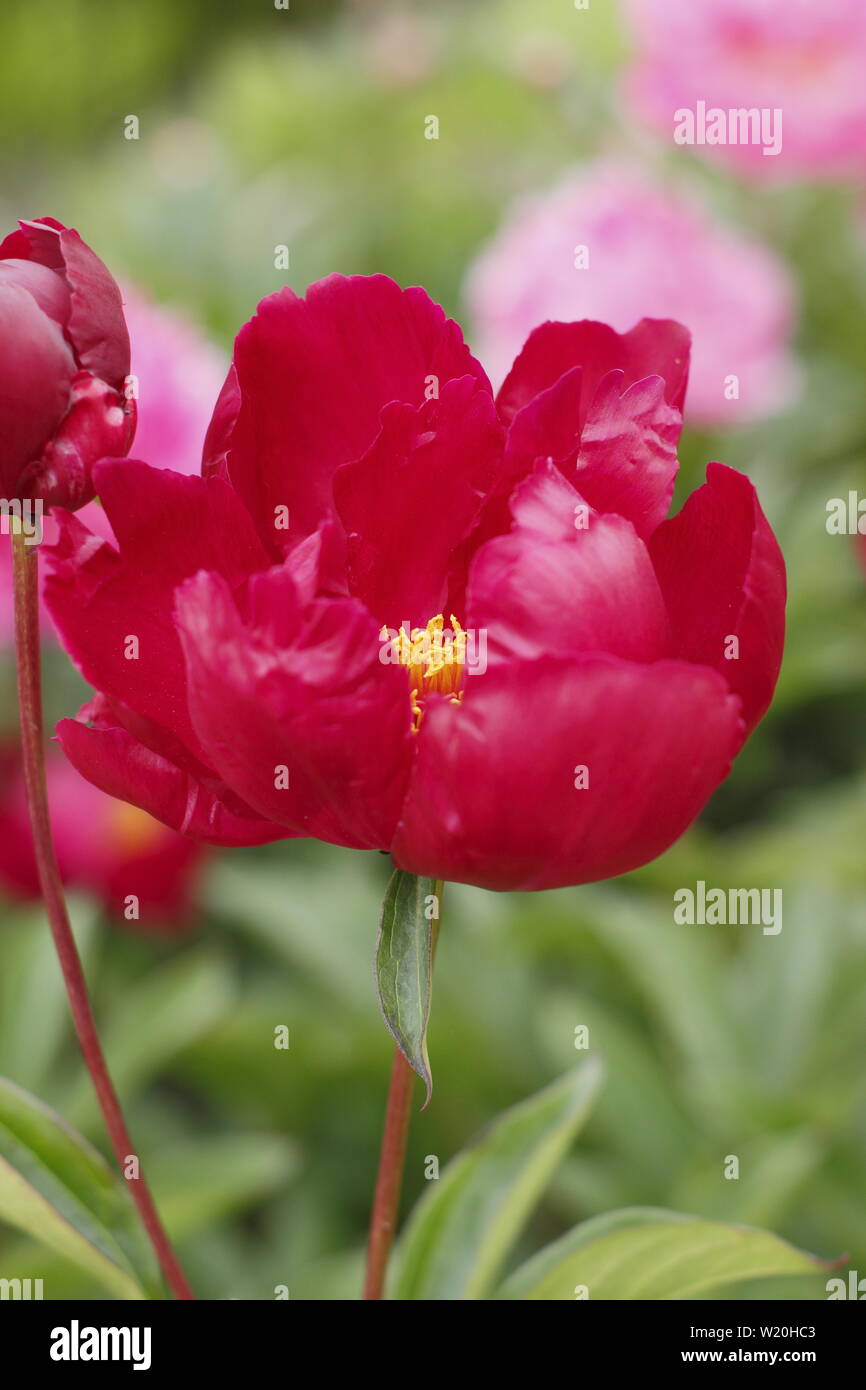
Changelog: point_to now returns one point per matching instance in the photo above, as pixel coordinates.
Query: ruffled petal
(101, 598)
(116, 762)
(723, 577)
(619, 449)
(295, 709)
(611, 433)
(493, 798)
(654, 347)
(627, 461)
(414, 496)
(313, 376)
(548, 590)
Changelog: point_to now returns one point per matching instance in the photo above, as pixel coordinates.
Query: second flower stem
(392, 1160)
(389, 1180)
(25, 568)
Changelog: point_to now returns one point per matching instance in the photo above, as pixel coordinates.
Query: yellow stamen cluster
(434, 657)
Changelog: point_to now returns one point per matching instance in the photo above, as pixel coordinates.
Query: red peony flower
(64, 356)
(398, 614)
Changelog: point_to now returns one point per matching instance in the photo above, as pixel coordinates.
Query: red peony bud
(64, 359)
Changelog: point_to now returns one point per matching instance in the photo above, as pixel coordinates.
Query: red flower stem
(392, 1160)
(389, 1180)
(25, 571)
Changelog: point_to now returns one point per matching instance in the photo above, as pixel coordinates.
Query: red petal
(654, 347)
(547, 428)
(168, 527)
(36, 371)
(542, 590)
(414, 496)
(45, 286)
(98, 424)
(619, 451)
(492, 799)
(723, 576)
(96, 328)
(302, 689)
(314, 375)
(627, 462)
(217, 440)
(116, 762)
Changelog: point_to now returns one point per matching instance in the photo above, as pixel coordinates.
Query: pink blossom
(104, 847)
(801, 57)
(179, 374)
(650, 251)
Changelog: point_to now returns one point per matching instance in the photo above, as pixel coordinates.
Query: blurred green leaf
(34, 1013)
(464, 1226)
(404, 966)
(205, 1181)
(773, 1172)
(677, 971)
(159, 1016)
(59, 1190)
(284, 909)
(645, 1253)
(639, 1112)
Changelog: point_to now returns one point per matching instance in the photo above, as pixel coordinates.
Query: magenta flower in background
(105, 847)
(649, 252)
(802, 57)
(179, 374)
(607, 664)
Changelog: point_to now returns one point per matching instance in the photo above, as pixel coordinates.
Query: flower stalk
(406, 949)
(26, 590)
(389, 1180)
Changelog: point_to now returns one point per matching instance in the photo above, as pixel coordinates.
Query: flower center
(434, 657)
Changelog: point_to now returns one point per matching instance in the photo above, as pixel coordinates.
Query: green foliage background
(261, 127)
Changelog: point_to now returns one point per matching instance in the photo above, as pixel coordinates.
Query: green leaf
(171, 1008)
(648, 1253)
(404, 966)
(34, 1011)
(204, 1182)
(60, 1191)
(462, 1229)
(282, 908)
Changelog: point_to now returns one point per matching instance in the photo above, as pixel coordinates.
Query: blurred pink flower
(650, 252)
(104, 847)
(802, 57)
(179, 375)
